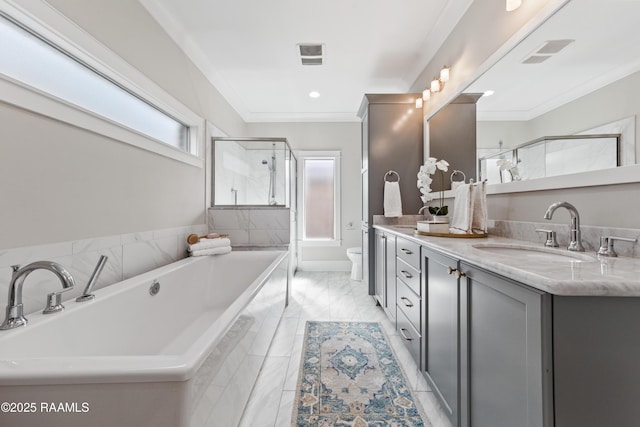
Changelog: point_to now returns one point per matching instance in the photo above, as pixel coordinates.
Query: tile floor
(328, 296)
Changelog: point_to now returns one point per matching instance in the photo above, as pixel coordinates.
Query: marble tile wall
(243, 170)
(522, 230)
(129, 255)
(252, 226)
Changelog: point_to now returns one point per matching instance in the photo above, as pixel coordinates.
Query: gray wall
(606, 205)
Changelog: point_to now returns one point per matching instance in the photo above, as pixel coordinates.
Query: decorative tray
(459, 236)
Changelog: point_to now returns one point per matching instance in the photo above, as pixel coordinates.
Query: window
(320, 213)
(44, 76)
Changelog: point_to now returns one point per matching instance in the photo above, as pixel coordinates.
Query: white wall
(62, 183)
(344, 137)
(481, 36)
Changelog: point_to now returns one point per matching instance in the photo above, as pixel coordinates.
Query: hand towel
(463, 207)
(392, 200)
(479, 221)
(212, 251)
(209, 244)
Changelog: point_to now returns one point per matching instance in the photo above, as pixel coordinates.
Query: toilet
(355, 255)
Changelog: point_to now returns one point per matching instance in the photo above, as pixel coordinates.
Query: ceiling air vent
(311, 53)
(547, 50)
(536, 59)
(553, 46)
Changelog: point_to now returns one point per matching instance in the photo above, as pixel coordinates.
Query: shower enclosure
(252, 172)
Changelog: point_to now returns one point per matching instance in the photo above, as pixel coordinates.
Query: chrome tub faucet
(575, 243)
(87, 295)
(15, 315)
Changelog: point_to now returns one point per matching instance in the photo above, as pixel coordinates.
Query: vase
(433, 227)
(441, 218)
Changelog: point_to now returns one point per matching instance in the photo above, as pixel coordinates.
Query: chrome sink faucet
(575, 243)
(15, 315)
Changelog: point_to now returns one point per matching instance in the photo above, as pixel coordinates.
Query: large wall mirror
(567, 97)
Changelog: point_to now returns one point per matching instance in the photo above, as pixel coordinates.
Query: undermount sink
(534, 253)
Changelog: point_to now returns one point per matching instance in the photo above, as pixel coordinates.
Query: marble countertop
(588, 275)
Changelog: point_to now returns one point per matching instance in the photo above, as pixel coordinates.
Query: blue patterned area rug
(349, 377)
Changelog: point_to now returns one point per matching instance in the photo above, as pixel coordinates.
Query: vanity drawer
(409, 303)
(409, 252)
(409, 275)
(409, 336)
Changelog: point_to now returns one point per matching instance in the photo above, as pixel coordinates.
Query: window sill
(319, 243)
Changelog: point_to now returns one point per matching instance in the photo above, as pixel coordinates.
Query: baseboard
(324, 266)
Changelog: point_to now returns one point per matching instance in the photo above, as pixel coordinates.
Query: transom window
(31, 64)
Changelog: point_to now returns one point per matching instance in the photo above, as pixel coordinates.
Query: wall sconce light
(444, 74)
(513, 5)
(418, 102)
(435, 85)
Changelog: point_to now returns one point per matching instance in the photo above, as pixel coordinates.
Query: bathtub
(185, 357)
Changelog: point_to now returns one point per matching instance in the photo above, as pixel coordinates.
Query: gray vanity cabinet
(408, 297)
(441, 324)
(504, 337)
(385, 272)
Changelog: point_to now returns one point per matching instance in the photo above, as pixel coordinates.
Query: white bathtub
(130, 358)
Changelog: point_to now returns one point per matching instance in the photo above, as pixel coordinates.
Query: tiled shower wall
(129, 255)
(252, 225)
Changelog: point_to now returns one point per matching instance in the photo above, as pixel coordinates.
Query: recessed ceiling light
(314, 94)
(488, 93)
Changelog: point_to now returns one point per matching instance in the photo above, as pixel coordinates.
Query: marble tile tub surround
(129, 255)
(259, 225)
(521, 230)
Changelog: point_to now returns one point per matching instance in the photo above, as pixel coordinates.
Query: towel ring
(391, 173)
(456, 172)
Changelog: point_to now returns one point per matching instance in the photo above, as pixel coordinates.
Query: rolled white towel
(212, 251)
(209, 244)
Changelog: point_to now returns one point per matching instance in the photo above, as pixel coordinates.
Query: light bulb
(444, 74)
(435, 85)
(513, 5)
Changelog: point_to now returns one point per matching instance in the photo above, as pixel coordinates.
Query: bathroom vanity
(508, 333)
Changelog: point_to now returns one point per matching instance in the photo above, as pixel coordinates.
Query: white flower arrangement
(424, 183)
(507, 165)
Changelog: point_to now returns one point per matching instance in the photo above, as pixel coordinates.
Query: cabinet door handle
(405, 334)
(406, 251)
(406, 274)
(407, 301)
(459, 274)
(451, 270)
